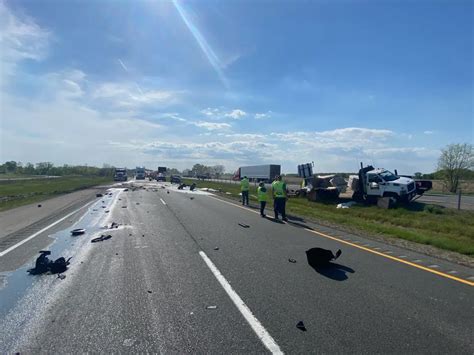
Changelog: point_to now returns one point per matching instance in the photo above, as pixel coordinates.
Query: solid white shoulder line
(257, 327)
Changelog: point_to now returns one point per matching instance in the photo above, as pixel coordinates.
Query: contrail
(123, 65)
(205, 47)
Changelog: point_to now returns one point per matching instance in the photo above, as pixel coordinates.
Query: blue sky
(236, 82)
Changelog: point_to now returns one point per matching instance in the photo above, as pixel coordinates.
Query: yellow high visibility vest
(244, 185)
(262, 194)
(279, 189)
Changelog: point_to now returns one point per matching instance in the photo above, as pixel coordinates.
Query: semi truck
(258, 173)
(140, 173)
(120, 174)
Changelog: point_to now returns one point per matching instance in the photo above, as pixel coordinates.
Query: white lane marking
(163, 202)
(13, 247)
(254, 323)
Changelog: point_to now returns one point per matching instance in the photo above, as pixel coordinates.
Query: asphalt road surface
(187, 272)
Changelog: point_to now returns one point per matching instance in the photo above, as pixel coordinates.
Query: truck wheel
(393, 196)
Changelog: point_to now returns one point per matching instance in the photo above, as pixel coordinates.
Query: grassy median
(16, 193)
(444, 228)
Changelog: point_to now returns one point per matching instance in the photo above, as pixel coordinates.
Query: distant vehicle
(120, 174)
(258, 173)
(203, 176)
(160, 177)
(175, 179)
(140, 173)
(162, 170)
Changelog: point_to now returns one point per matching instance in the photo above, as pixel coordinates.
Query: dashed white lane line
(162, 201)
(13, 247)
(254, 323)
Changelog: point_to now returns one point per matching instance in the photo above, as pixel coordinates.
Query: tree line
(47, 168)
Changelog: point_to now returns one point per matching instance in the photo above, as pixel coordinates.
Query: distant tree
(218, 170)
(10, 166)
(29, 169)
(454, 161)
(199, 169)
(44, 168)
(418, 175)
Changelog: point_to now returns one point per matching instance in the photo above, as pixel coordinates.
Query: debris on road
(191, 198)
(61, 276)
(301, 326)
(292, 260)
(39, 206)
(78, 231)
(114, 225)
(216, 248)
(107, 211)
(150, 291)
(320, 256)
(211, 307)
(101, 238)
(244, 225)
(98, 195)
(125, 190)
(138, 203)
(124, 206)
(192, 187)
(43, 264)
(167, 192)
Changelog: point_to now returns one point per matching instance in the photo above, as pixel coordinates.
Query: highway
(187, 272)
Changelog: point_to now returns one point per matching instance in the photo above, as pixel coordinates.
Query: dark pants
(262, 207)
(279, 206)
(245, 198)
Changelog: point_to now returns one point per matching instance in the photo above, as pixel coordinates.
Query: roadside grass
(22, 192)
(443, 228)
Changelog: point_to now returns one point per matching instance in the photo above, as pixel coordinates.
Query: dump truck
(265, 173)
(120, 174)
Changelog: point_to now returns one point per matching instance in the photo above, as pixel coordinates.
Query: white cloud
(21, 38)
(212, 126)
(129, 95)
(236, 114)
(263, 116)
(210, 112)
(428, 132)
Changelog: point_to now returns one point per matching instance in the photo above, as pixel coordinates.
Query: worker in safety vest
(244, 188)
(279, 198)
(262, 195)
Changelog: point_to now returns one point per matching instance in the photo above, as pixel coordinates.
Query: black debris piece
(124, 206)
(101, 238)
(78, 231)
(244, 225)
(39, 205)
(107, 211)
(103, 201)
(104, 206)
(143, 235)
(216, 248)
(191, 198)
(120, 199)
(114, 225)
(192, 187)
(130, 234)
(167, 192)
(181, 186)
(301, 326)
(125, 190)
(43, 264)
(110, 194)
(292, 260)
(320, 256)
(61, 276)
(98, 195)
(138, 203)
(150, 291)
(116, 253)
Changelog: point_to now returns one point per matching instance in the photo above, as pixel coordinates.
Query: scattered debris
(107, 211)
(180, 187)
(150, 291)
(116, 253)
(301, 326)
(43, 264)
(211, 307)
(192, 187)
(61, 276)
(98, 195)
(130, 234)
(101, 238)
(167, 192)
(125, 190)
(346, 204)
(120, 199)
(138, 203)
(143, 235)
(78, 231)
(320, 256)
(114, 225)
(216, 248)
(104, 206)
(124, 206)
(110, 194)
(191, 198)
(292, 260)
(39, 206)
(244, 225)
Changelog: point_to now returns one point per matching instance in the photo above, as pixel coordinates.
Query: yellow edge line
(368, 250)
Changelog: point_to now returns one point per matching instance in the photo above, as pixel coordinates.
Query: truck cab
(383, 183)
